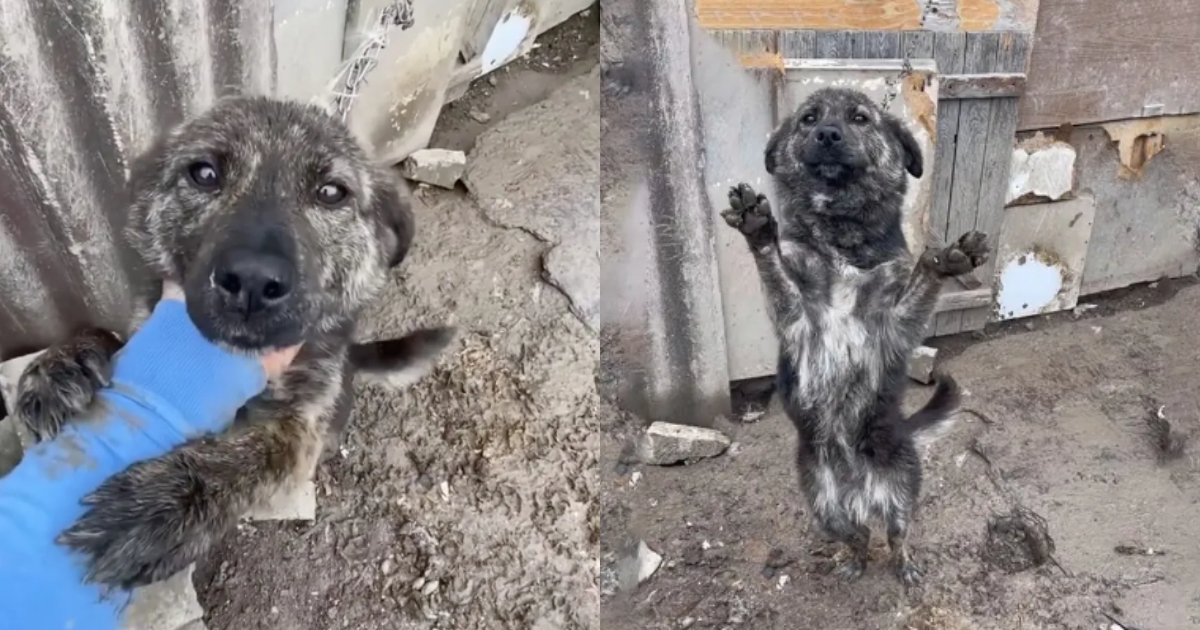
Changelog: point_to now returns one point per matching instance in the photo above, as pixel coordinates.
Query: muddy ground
(1060, 428)
(467, 501)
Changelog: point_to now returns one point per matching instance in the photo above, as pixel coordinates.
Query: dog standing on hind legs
(849, 305)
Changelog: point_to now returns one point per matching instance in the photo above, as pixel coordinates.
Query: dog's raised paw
(968, 253)
(144, 524)
(749, 212)
(61, 383)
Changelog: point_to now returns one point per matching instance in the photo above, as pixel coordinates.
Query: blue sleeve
(169, 384)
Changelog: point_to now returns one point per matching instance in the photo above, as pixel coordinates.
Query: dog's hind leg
(856, 537)
(160, 515)
(907, 570)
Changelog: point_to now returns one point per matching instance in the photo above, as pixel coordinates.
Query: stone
(665, 443)
(647, 562)
(13, 436)
(920, 364)
(167, 605)
(298, 504)
(439, 167)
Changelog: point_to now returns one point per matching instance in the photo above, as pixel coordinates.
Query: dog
(281, 230)
(849, 304)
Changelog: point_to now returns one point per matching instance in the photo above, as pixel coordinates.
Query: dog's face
(271, 217)
(840, 136)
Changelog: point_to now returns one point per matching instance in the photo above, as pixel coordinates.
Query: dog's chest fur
(835, 342)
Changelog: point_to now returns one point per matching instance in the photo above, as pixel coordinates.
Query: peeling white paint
(1028, 285)
(505, 41)
(1047, 171)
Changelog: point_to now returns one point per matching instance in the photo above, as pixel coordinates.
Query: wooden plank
(865, 15)
(963, 299)
(1076, 77)
(990, 85)
(836, 44)
(919, 45)
(997, 157)
(798, 44)
(973, 120)
(948, 50)
(879, 45)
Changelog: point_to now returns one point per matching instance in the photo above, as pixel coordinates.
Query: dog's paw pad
(749, 212)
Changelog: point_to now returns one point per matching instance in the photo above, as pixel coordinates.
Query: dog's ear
(393, 217)
(914, 162)
(779, 136)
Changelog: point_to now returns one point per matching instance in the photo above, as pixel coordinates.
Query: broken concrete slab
(551, 190)
(920, 364)
(13, 435)
(439, 167)
(293, 504)
(573, 267)
(167, 605)
(664, 444)
(1042, 168)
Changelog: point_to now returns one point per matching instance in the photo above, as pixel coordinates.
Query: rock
(479, 117)
(920, 364)
(665, 443)
(167, 605)
(300, 504)
(647, 562)
(13, 436)
(440, 167)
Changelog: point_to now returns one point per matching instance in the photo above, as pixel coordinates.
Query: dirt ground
(1058, 426)
(467, 501)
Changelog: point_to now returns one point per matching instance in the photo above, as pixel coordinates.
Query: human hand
(274, 362)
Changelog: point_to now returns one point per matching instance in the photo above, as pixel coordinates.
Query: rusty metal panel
(84, 86)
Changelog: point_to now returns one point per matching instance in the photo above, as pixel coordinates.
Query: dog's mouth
(831, 164)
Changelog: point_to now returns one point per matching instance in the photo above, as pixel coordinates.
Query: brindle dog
(849, 305)
(281, 230)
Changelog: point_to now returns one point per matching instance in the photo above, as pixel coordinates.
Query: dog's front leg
(156, 517)
(750, 213)
(916, 302)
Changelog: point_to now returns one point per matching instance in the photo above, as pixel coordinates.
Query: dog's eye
(860, 118)
(204, 176)
(331, 194)
(808, 119)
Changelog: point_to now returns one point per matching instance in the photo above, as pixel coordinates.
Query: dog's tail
(400, 362)
(933, 420)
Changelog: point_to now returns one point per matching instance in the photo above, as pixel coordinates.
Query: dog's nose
(829, 135)
(255, 281)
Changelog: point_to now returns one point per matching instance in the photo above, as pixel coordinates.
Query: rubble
(665, 443)
(439, 167)
(920, 364)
